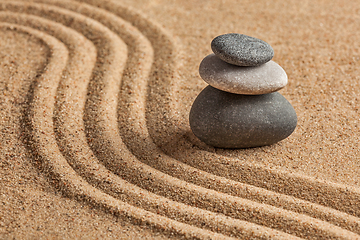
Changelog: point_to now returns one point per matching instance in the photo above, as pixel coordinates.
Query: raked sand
(95, 140)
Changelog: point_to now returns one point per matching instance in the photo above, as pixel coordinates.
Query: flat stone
(242, 50)
(266, 78)
(228, 120)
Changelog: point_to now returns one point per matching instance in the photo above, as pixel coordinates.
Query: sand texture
(95, 141)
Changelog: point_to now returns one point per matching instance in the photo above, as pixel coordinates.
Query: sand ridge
(102, 119)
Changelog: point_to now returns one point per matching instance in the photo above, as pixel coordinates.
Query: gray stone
(228, 120)
(242, 50)
(266, 78)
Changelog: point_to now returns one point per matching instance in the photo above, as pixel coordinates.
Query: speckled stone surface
(242, 50)
(228, 120)
(266, 78)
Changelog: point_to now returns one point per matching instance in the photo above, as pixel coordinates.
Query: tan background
(316, 42)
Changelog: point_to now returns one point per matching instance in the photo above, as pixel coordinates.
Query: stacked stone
(241, 107)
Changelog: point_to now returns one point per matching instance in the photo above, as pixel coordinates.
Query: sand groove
(86, 85)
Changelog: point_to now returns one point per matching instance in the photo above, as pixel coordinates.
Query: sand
(95, 140)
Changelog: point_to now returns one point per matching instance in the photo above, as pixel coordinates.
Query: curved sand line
(65, 129)
(70, 183)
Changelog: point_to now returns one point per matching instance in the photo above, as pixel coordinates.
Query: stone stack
(241, 107)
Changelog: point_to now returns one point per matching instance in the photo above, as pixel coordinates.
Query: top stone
(241, 50)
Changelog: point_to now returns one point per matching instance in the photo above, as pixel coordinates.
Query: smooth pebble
(242, 50)
(266, 78)
(228, 120)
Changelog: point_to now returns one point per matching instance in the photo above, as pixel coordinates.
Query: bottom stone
(228, 120)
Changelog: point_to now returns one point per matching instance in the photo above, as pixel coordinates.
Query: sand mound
(103, 120)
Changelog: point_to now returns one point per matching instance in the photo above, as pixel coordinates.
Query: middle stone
(266, 78)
